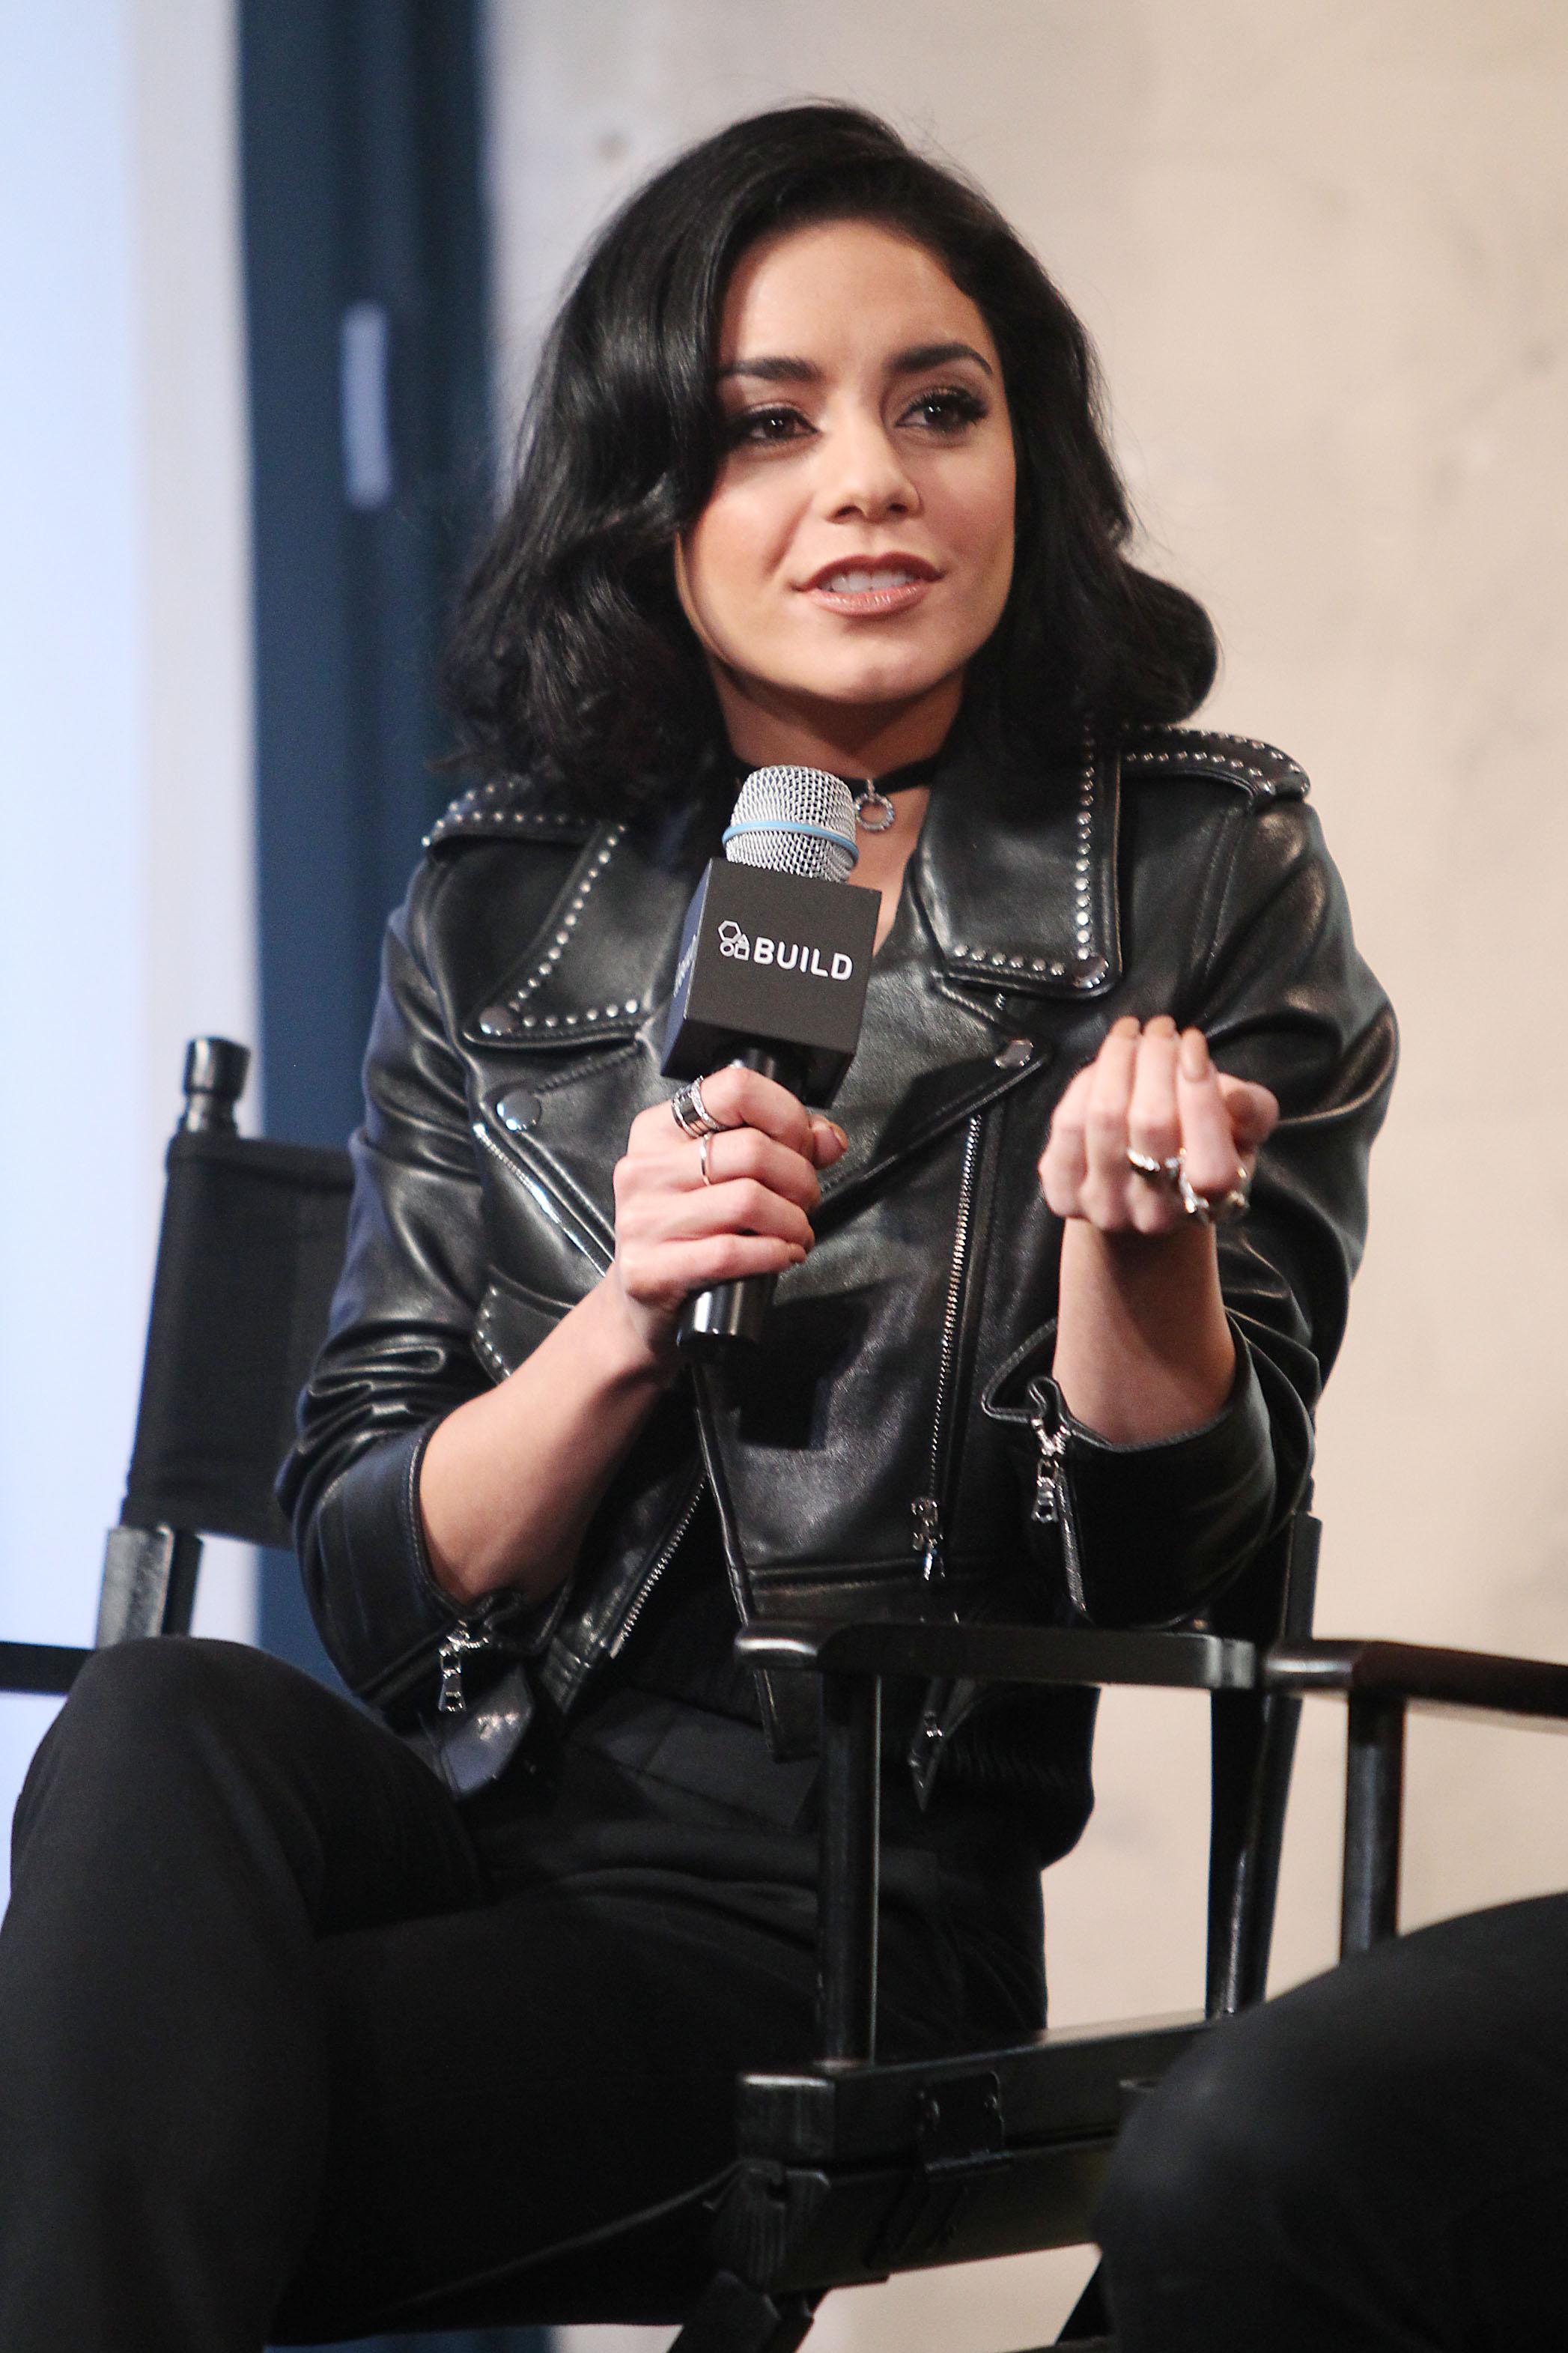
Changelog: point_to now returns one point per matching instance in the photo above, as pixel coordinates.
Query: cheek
(725, 562)
(983, 526)
(1000, 509)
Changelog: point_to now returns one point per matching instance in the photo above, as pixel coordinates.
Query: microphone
(773, 966)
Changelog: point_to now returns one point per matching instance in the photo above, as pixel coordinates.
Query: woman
(812, 475)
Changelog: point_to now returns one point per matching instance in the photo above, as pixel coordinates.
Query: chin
(875, 685)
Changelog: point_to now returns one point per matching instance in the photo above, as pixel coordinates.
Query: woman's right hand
(675, 1235)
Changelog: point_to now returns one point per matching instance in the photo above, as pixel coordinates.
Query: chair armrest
(851, 1660)
(41, 1668)
(1474, 1681)
(1381, 1681)
(1004, 1654)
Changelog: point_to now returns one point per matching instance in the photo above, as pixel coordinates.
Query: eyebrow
(783, 369)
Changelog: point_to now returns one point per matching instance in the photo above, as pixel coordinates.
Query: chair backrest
(249, 1252)
(248, 1255)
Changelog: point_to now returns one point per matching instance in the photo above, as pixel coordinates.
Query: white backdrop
(125, 882)
(1323, 248)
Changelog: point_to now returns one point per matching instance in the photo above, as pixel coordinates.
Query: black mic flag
(773, 966)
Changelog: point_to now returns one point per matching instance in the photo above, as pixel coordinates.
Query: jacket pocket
(512, 1320)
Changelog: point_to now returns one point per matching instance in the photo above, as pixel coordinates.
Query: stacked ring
(692, 1115)
(1215, 1208)
(1203, 1208)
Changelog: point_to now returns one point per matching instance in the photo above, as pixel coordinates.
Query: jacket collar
(1011, 900)
(1015, 874)
(1016, 869)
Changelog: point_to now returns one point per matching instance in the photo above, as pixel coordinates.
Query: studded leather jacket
(898, 1444)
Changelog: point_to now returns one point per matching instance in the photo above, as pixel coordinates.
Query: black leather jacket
(900, 1433)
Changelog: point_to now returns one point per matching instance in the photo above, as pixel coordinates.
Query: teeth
(852, 583)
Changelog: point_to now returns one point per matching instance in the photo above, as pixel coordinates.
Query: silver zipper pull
(1052, 1443)
(457, 1645)
(927, 1514)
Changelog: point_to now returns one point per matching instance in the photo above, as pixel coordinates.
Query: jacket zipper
(569, 1220)
(1052, 1506)
(462, 1643)
(927, 1535)
(657, 1567)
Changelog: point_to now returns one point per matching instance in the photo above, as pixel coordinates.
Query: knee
(1180, 2152)
(136, 1688)
(140, 1705)
(1258, 2124)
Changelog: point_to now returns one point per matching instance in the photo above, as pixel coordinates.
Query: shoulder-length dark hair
(571, 656)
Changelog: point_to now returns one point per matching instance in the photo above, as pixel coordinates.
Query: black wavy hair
(571, 657)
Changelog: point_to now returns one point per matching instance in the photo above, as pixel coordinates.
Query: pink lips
(860, 584)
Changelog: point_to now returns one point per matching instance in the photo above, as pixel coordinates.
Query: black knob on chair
(214, 1079)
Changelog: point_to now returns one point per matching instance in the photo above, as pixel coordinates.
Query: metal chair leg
(731, 2317)
(1087, 2322)
(1374, 1781)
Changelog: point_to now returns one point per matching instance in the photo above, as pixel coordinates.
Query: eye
(763, 427)
(948, 408)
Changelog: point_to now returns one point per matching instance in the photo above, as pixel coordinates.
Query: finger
(1207, 1141)
(1104, 1194)
(828, 1141)
(747, 1152)
(1065, 1160)
(662, 1278)
(1252, 1111)
(741, 1207)
(742, 1098)
(1153, 1124)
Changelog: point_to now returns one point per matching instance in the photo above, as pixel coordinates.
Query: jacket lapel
(1009, 908)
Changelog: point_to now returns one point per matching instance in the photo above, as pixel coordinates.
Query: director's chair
(849, 2168)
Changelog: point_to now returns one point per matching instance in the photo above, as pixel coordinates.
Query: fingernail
(1195, 1054)
(1128, 1026)
(839, 1133)
(1162, 1026)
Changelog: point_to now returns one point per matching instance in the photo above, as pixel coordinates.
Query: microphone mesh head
(795, 821)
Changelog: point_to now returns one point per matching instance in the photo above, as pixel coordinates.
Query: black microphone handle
(732, 1314)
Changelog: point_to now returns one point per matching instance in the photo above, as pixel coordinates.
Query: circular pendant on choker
(874, 812)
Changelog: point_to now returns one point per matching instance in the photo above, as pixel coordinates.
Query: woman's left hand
(1157, 1093)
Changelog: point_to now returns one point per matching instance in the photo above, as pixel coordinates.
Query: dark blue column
(366, 298)
(366, 291)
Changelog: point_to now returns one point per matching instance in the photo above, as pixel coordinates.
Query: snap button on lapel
(1014, 1054)
(519, 1109)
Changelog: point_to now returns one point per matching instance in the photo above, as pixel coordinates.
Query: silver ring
(1217, 1209)
(703, 1142)
(692, 1115)
(1150, 1167)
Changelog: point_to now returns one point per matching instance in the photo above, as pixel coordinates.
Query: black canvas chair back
(248, 1252)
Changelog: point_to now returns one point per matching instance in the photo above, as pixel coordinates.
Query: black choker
(874, 811)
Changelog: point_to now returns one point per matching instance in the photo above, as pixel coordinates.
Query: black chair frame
(850, 2169)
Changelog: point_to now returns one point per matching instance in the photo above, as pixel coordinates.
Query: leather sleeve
(399, 1356)
(1273, 976)
(1287, 1000)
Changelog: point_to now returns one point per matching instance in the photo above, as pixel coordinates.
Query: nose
(864, 472)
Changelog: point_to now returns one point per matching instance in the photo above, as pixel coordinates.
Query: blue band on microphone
(793, 825)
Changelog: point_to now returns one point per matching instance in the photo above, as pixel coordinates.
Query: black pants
(293, 2048)
(1377, 2159)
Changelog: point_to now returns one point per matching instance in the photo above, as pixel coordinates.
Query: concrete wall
(1324, 251)
(125, 884)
